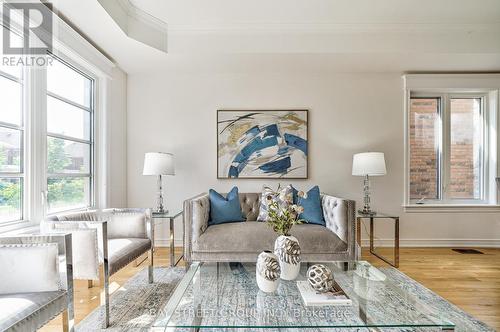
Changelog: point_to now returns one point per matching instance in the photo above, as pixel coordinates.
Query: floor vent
(468, 251)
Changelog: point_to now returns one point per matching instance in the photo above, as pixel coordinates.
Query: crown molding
(136, 23)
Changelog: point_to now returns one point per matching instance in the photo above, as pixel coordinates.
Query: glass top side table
(372, 218)
(171, 216)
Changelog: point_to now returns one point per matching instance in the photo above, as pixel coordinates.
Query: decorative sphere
(320, 278)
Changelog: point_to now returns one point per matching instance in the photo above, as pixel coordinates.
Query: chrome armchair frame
(65, 247)
(102, 238)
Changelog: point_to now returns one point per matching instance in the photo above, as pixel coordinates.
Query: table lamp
(159, 163)
(368, 164)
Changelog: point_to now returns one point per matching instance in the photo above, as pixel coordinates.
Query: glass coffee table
(226, 295)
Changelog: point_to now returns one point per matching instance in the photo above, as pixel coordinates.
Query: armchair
(104, 241)
(36, 283)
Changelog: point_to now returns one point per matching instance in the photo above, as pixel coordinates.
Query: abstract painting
(262, 144)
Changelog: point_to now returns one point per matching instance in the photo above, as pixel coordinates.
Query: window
(52, 149)
(67, 177)
(69, 138)
(11, 142)
(448, 143)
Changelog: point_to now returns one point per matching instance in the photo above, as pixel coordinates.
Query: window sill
(451, 208)
(19, 228)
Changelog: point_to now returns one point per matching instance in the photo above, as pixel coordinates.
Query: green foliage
(281, 219)
(60, 190)
(66, 190)
(10, 193)
(57, 158)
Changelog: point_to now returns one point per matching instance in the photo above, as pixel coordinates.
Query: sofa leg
(68, 321)
(150, 267)
(104, 296)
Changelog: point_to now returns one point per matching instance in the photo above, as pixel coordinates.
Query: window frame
(72, 48)
(439, 151)
(91, 141)
(21, 175)
(444, 147)
(473, 84)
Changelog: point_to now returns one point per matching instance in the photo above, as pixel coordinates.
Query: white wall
(117, 136)
(348, 113)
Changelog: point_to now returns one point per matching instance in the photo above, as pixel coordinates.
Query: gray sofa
(243, 241)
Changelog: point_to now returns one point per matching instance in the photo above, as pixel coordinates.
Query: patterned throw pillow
(279, 197)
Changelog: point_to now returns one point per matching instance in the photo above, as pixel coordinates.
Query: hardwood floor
(472, 282)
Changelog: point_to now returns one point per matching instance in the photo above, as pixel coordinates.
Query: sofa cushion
(254, 237)
(224, 209)
(313, 212)
(123, 251)
(283, 197)
(29, 311)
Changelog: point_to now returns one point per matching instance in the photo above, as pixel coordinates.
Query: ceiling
(300, 35)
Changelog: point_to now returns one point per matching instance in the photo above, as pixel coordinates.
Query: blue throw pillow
(313, 212)
(224, 210)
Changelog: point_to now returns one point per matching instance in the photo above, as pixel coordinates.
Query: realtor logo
(36, 27)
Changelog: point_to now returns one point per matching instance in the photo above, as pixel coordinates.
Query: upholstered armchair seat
(124, 251)
(30, 311)
(243, 241)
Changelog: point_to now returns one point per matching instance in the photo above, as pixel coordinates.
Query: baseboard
(479, 243)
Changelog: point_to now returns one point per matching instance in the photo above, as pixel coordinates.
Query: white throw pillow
(29, 268)
(276, 197)
(126, 225)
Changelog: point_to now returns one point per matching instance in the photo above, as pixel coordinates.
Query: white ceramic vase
(287, 249)
(267, 272)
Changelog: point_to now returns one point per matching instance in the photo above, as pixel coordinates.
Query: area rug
(135, 306)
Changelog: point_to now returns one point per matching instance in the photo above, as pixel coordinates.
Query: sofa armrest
(340, 215)
(196, 214)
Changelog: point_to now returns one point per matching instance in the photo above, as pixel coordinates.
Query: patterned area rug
(134, 307)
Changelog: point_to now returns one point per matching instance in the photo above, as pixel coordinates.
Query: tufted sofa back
(250, 204)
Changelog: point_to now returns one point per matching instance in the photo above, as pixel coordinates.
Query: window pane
(10, 150)
(10, 199)
(11, 68)
(64, 156)
(68, 83)
(68, 120)
(10, 95)
(465, 151)
(68, 193)
(424, 148)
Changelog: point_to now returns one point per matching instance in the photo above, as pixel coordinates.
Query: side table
(171, 216)
(372, 218)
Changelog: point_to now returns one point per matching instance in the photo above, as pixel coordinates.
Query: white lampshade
(158, 163)
(368, 163)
